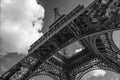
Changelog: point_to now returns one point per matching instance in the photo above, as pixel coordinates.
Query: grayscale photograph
(59, 39)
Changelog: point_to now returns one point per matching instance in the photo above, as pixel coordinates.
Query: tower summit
(56, 13)
(55, 54)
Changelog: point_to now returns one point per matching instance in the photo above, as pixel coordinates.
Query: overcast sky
(22, 19)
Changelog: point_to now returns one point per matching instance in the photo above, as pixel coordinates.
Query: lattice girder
(47, 68)
(92, 26)
(107, 47)
(94, 64)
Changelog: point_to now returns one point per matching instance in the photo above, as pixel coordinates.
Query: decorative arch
(49, 70)
(108, 67)
(81, 74)
(95, 64)
(54, 77)
(106, 47)
(41, 77)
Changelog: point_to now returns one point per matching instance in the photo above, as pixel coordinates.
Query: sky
(92, 75)
(101, 75)
(24, 21)
(17, 32)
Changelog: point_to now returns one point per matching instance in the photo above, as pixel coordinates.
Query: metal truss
(92, 27)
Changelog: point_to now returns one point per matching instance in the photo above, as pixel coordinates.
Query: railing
(57, 21)
(74, 14)
(55, 28)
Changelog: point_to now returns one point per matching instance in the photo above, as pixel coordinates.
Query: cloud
(78, 50)
(95, 73)
(115, 79)
(3, 68)
(7, 61)
(17, 32)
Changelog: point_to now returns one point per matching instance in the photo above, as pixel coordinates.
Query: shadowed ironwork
(91, 27)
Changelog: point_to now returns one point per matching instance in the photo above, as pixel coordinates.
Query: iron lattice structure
(92, 27)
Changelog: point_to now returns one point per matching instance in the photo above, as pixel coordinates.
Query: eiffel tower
(75, 44)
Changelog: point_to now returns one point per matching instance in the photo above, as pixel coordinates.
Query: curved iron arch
(52, 73)
(93, 40)
(110, 43)
(46, 74)
(95, 37)
(80, 75)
